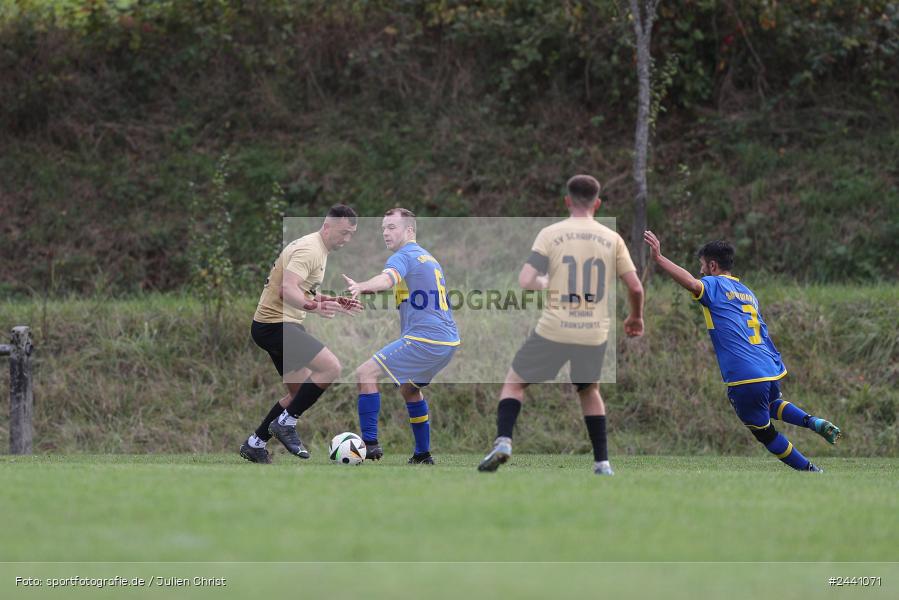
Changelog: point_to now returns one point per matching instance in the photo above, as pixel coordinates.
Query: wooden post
(21, 391)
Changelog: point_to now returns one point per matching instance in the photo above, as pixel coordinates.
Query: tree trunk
(643, 21)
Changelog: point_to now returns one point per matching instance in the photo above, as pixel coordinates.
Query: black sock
(596, 428)
(506, 413)
(306, 396)
(262, 431)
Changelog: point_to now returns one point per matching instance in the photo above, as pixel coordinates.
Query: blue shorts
(751, 401)
(411, 361)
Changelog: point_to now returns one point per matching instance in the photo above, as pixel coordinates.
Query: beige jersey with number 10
(584, 259)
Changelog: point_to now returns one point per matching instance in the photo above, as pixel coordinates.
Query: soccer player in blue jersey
(428, 334)
(750, 364)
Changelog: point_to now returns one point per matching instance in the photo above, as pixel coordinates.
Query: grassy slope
(139, 376)
(819, 203)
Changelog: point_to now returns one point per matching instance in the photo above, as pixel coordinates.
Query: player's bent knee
(334, 367)
(410, 393)
(766, 435)
(514, 385)
(513, 391)
(368, 372)
(326, 365)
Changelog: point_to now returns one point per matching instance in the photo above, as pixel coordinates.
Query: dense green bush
(134, 53)
(145, 379)
(779, 129)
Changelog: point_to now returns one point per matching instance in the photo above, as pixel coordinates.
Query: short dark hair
(405, 212)
(583, 189)
(407, 215)
(719, 251)
(342, 211)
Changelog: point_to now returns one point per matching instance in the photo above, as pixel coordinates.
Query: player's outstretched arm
(378, 283)
(348, 305)
(633, 324)
(292, 293)
(677, 273)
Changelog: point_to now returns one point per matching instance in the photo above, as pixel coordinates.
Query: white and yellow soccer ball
(347, 449)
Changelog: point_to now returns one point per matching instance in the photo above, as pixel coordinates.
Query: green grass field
(544, 509)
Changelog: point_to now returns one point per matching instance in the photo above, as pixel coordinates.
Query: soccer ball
(347, 449)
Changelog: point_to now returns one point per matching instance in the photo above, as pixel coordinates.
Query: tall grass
(139, 375)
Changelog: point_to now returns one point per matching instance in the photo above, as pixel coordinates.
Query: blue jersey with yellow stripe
(745, 352)
(425, 314)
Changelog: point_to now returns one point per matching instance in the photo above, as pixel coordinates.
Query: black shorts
(290, 347)
(540, 359)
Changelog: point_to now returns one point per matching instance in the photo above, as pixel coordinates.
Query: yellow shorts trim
(386, 370)
(427, 341)
(765, 426)
(775, 378)
(420, 419)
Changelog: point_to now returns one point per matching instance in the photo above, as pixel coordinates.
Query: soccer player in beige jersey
(576, 260)
(305, 364)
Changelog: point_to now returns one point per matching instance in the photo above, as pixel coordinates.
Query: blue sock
(421, 426)
(369, 406)
(784, 450)
(784, 411)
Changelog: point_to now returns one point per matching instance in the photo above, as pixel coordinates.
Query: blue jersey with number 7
(425, 314)
(745, 352)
